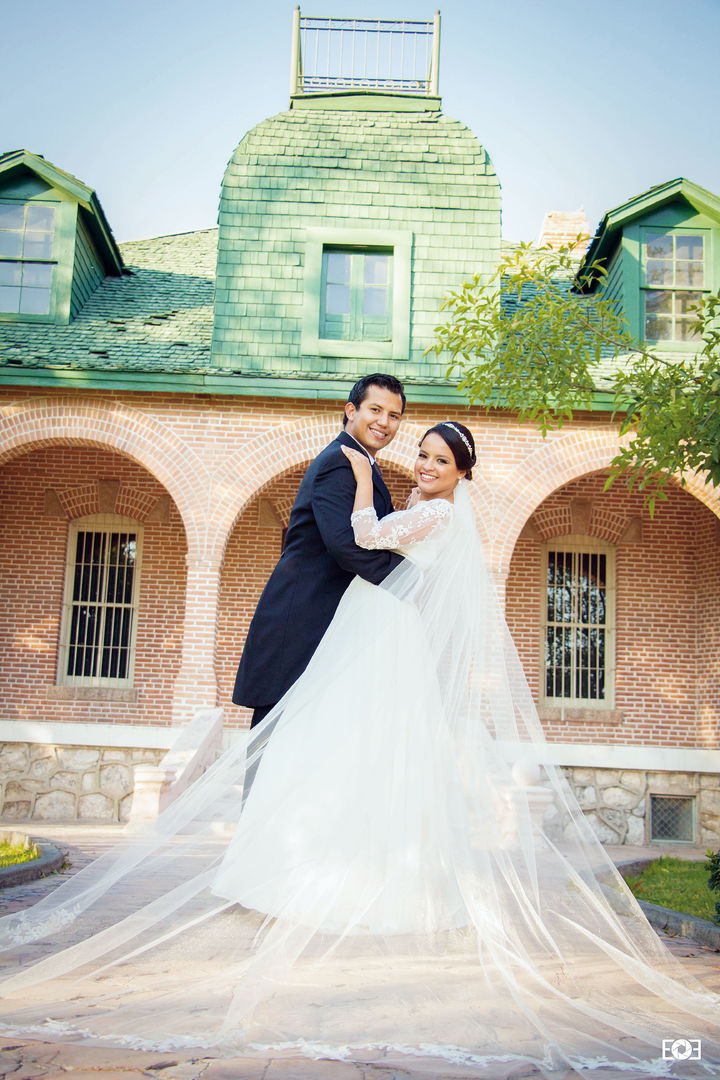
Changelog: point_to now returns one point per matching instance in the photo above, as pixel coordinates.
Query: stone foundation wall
(617, 802)
(66, 783)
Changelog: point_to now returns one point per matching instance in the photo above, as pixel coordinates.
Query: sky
(577, 104)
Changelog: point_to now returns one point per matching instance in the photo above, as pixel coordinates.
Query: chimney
(562, 227)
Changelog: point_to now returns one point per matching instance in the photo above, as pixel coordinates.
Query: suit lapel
(378, 483)
(379, 486)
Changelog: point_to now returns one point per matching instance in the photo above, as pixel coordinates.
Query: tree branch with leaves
(532, 339)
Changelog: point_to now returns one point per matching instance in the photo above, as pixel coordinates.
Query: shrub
(714, 879)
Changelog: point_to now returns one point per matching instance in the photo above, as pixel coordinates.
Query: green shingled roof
(417, 172)
(156, 317)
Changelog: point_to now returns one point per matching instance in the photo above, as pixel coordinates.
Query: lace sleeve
(402, 528)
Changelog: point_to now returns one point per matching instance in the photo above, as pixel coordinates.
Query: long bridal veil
(388, 881)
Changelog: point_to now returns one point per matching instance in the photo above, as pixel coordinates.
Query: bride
(386, 885)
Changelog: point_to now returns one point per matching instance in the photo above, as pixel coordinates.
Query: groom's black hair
(361, 388)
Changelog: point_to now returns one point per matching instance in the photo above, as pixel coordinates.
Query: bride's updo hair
(460, 441)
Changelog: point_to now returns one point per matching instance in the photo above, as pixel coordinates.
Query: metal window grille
(364, 54)
(576, 626)
(672, 817)
(101, 602)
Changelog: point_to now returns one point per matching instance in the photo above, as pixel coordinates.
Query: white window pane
(35, 302)
(37, 275)
(376, 269)
(40, 218)
(10, 273)
(12, 216)
(689, 274)
(659, 302)
(337, 266)
(684, 301)
(37, 245)
(659, 246)
(697, 274)
(11, 244)
(9, 298)
(686, 330)
(659, 272)
(375, 302)
(658, 328)
(689, 247)
(337, 300)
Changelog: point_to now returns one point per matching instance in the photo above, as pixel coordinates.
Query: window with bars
(27, 232)
(356, 294)
(101, 598)
(578, 617)
(674, 280)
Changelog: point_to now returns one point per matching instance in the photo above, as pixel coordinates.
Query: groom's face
(375, 421)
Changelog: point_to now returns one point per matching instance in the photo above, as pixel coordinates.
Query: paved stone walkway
(22, 1059)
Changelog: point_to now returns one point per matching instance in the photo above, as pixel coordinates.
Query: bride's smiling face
(436, 471)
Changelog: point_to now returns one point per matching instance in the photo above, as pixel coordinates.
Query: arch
(111, 425)
(552, 465)
(294, 443)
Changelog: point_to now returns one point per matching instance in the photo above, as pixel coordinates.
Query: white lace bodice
(404, 530)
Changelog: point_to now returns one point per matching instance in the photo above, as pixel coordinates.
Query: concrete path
(22, 1059)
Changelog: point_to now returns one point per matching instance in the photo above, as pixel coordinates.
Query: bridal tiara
(457, 431)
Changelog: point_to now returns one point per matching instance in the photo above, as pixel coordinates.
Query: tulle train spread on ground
(386, 884)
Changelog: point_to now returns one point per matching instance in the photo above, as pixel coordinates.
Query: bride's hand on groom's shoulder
(412, 498)
(360, 462)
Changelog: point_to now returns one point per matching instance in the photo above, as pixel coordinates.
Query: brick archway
(77, 422)
(297, 442)
(550, 467)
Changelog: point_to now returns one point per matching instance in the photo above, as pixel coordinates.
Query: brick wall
(667, 571)
(215, 475)
(32, 574)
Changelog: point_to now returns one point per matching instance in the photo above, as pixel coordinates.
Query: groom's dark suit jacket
(318, 562)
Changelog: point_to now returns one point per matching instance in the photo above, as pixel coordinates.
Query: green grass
(678, 884)
(12, 854)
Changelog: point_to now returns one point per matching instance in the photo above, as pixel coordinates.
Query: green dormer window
(356, 295)
(27, 232)
(674, 279)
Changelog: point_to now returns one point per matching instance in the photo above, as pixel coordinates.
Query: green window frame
(674, 277)
(578, 623)
(357, 293)
(27, 265)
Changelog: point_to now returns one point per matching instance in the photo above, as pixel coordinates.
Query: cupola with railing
(334, 61)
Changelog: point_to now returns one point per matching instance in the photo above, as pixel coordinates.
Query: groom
(320, 556)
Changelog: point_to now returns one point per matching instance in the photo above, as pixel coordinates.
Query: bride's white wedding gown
(386, 885)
